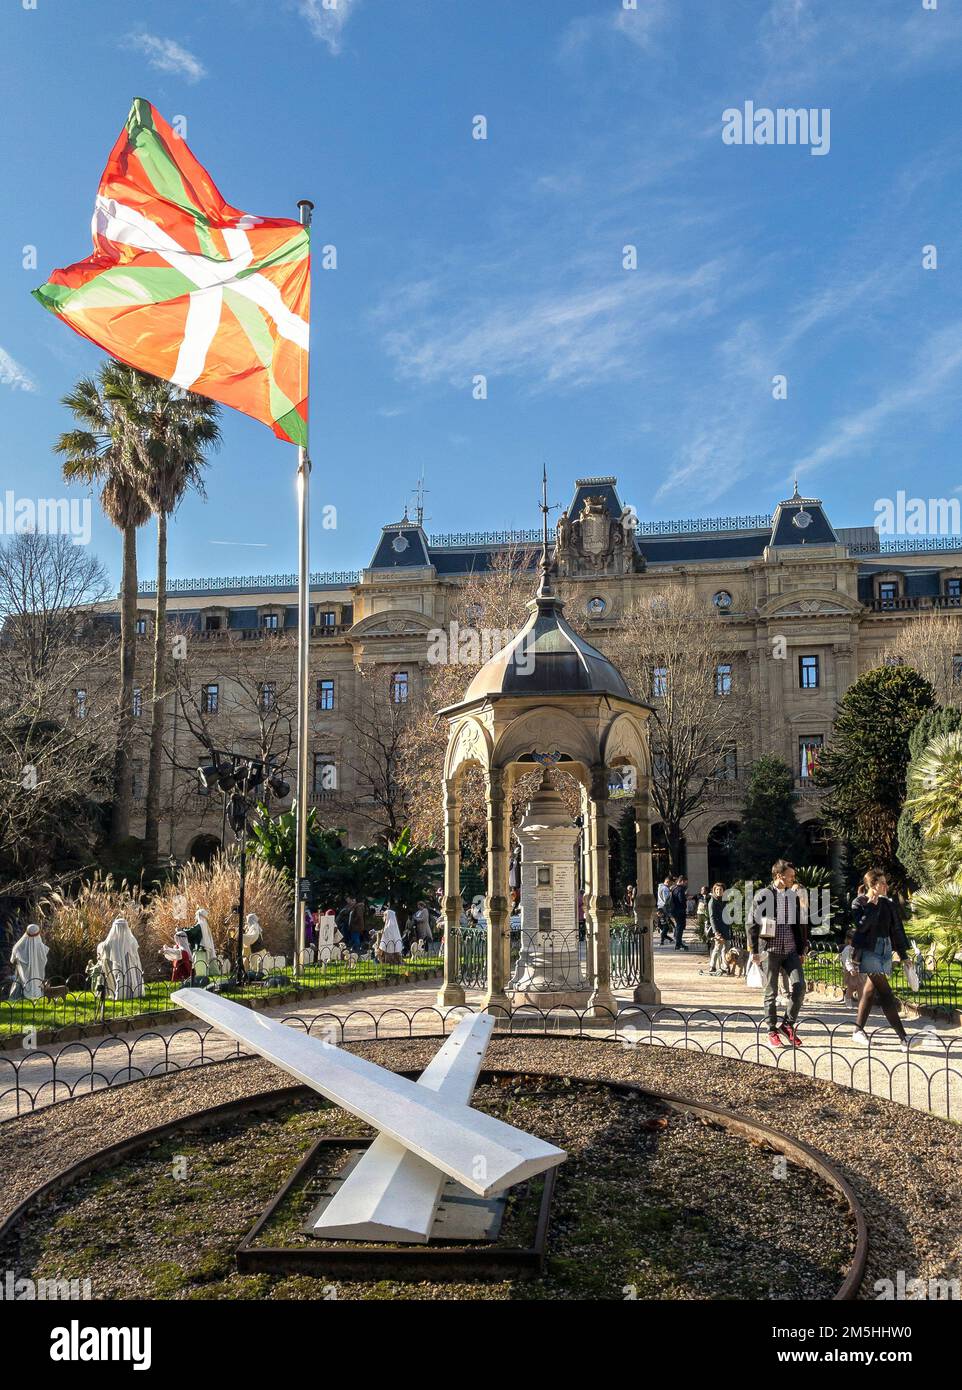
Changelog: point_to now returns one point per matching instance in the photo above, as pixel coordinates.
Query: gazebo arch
(551, 699)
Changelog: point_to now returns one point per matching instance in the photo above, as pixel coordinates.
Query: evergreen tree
(769, 828)
(865, 764)
(929, 727)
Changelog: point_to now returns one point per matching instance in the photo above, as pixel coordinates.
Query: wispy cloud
(641, 27)
(327, 19)
(588, 334)
(251, 545)
(167, 55)
(13, 375)
(938, 364)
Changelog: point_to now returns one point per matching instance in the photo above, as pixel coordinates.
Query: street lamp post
(238, 776)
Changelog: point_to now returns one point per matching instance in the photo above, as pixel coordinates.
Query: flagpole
(305, 208)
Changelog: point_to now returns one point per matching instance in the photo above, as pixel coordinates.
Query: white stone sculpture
(434, 1124)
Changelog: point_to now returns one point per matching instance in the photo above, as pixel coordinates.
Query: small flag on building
(188, 288)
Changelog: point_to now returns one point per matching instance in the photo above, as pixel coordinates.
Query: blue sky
(504, 257)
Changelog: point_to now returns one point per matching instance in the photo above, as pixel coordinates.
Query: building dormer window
(141, 627)
(271, 621)
(888, 591)
(953, 588)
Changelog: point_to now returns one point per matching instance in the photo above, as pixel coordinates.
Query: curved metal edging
(803, 1154)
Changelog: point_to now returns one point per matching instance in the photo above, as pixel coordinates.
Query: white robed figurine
(120, 957)
(200, 938)
(255, 952)
(29, 960)
(390, 948)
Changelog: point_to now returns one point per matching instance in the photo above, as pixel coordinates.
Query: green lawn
(16, 1016)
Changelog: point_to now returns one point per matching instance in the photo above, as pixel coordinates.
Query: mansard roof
(403, 545)
(802, 521)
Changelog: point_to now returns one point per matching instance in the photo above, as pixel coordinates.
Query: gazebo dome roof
(547, 657)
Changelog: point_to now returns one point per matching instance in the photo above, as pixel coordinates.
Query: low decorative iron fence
(929, 1077)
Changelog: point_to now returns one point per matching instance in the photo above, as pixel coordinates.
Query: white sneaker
(859, 1035)
(909, 1040)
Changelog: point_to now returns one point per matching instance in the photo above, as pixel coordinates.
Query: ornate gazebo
(548, 699)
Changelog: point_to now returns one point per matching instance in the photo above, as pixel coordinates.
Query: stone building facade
(831, 599)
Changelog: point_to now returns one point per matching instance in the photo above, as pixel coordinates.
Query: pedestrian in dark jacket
(878, 932)
(678, 905)
(778, 940)
(720, 929)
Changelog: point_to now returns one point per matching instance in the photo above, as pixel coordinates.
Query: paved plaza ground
(697, 1011)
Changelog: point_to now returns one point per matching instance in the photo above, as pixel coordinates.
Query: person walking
(778, 941)
(701, 912)
(721, 932)
(664, 915)
(878, 932)
(679, 910)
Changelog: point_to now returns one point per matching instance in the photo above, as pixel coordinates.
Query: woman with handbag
(878, 932)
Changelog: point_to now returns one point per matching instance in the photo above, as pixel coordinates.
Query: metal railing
(550, 961)
(930, 1081)
(248, 583)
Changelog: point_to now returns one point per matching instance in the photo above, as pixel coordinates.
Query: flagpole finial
(544, 586)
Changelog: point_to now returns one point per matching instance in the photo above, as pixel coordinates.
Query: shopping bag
(753, 976)
(912, 975)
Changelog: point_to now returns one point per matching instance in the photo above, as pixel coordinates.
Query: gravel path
(905, 1166)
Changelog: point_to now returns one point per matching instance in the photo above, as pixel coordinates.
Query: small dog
(735, 961)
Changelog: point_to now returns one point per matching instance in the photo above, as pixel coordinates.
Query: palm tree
(177, 429)
(103, 452)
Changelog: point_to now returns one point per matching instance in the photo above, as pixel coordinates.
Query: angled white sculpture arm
(478, 1151)
(392, 1194)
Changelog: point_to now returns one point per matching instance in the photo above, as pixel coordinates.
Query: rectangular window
(209, 697)
(659, 681)
(137, 708)
(953, 588)
(213, 624)
(269, 620)
(325, 773)
(888, 591)
(809, 752)
(808, 672)
(325, 694)
(727, 770)
(723, 679)
(328, 618)
(268, 694)
(399, 687)
(80, 704)
(141, 627)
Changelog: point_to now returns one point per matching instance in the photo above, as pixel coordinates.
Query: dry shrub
(216, 886)
(73, 925)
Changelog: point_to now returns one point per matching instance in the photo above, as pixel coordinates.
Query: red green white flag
(185, 287)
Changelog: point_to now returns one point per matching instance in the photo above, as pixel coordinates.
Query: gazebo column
(586, 869)
(451, 993)
(646, 991)
(602, 1003)
(506, 828)
(497, 908)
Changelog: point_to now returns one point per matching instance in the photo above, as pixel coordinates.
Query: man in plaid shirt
(778, 941)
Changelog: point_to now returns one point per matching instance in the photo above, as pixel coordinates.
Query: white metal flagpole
(305, 208)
